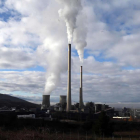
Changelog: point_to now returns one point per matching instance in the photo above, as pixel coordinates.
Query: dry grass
(128, 133)
(27, 134)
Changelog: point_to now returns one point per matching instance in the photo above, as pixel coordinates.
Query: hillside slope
(10, 101)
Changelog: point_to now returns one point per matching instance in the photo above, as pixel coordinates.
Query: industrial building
(46, 98)
(45, 102)
(62, 99)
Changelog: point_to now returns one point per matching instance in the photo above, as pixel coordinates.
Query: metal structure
(62, 99)
(45, 102)
(69, 80)
(81, 104)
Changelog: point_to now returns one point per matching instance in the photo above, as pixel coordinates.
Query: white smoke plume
(55, 63)
(79, 36)
(69, 13)
(75, 23)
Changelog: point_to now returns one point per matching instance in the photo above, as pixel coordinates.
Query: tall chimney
(81, 105)
(69, 79)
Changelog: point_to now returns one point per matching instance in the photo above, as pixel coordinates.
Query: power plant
(69, 80)
(46, 98)
(81, 105)
(45, 102)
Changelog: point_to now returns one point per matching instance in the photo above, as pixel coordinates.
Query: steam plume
(56, 64)
(72, 17)
(79, 36)
(69, 13)
(75, 23)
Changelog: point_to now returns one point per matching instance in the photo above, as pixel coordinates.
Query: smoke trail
(52, 82)
(79, 36)
(53, 49)
(56, 59)
(75, 23)
(57, 65)
(69, 13)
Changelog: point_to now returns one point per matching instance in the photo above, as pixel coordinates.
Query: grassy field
(42, 134)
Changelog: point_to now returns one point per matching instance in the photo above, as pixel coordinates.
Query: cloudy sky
(33, 50)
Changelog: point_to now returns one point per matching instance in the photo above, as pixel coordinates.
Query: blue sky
(36, 68)
(33, 50)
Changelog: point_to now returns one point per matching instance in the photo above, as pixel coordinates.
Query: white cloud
(25, 82)
(13, 58)
(126, 50)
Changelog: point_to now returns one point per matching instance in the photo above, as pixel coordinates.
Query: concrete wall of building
(45, 102)
(62, 99)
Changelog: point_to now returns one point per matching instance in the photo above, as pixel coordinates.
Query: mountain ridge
(12, 101)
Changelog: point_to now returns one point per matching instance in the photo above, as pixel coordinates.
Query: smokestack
(81, 105)
(69, 79)
(45, 102)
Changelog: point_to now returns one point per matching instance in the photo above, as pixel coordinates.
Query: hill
(10, 101)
